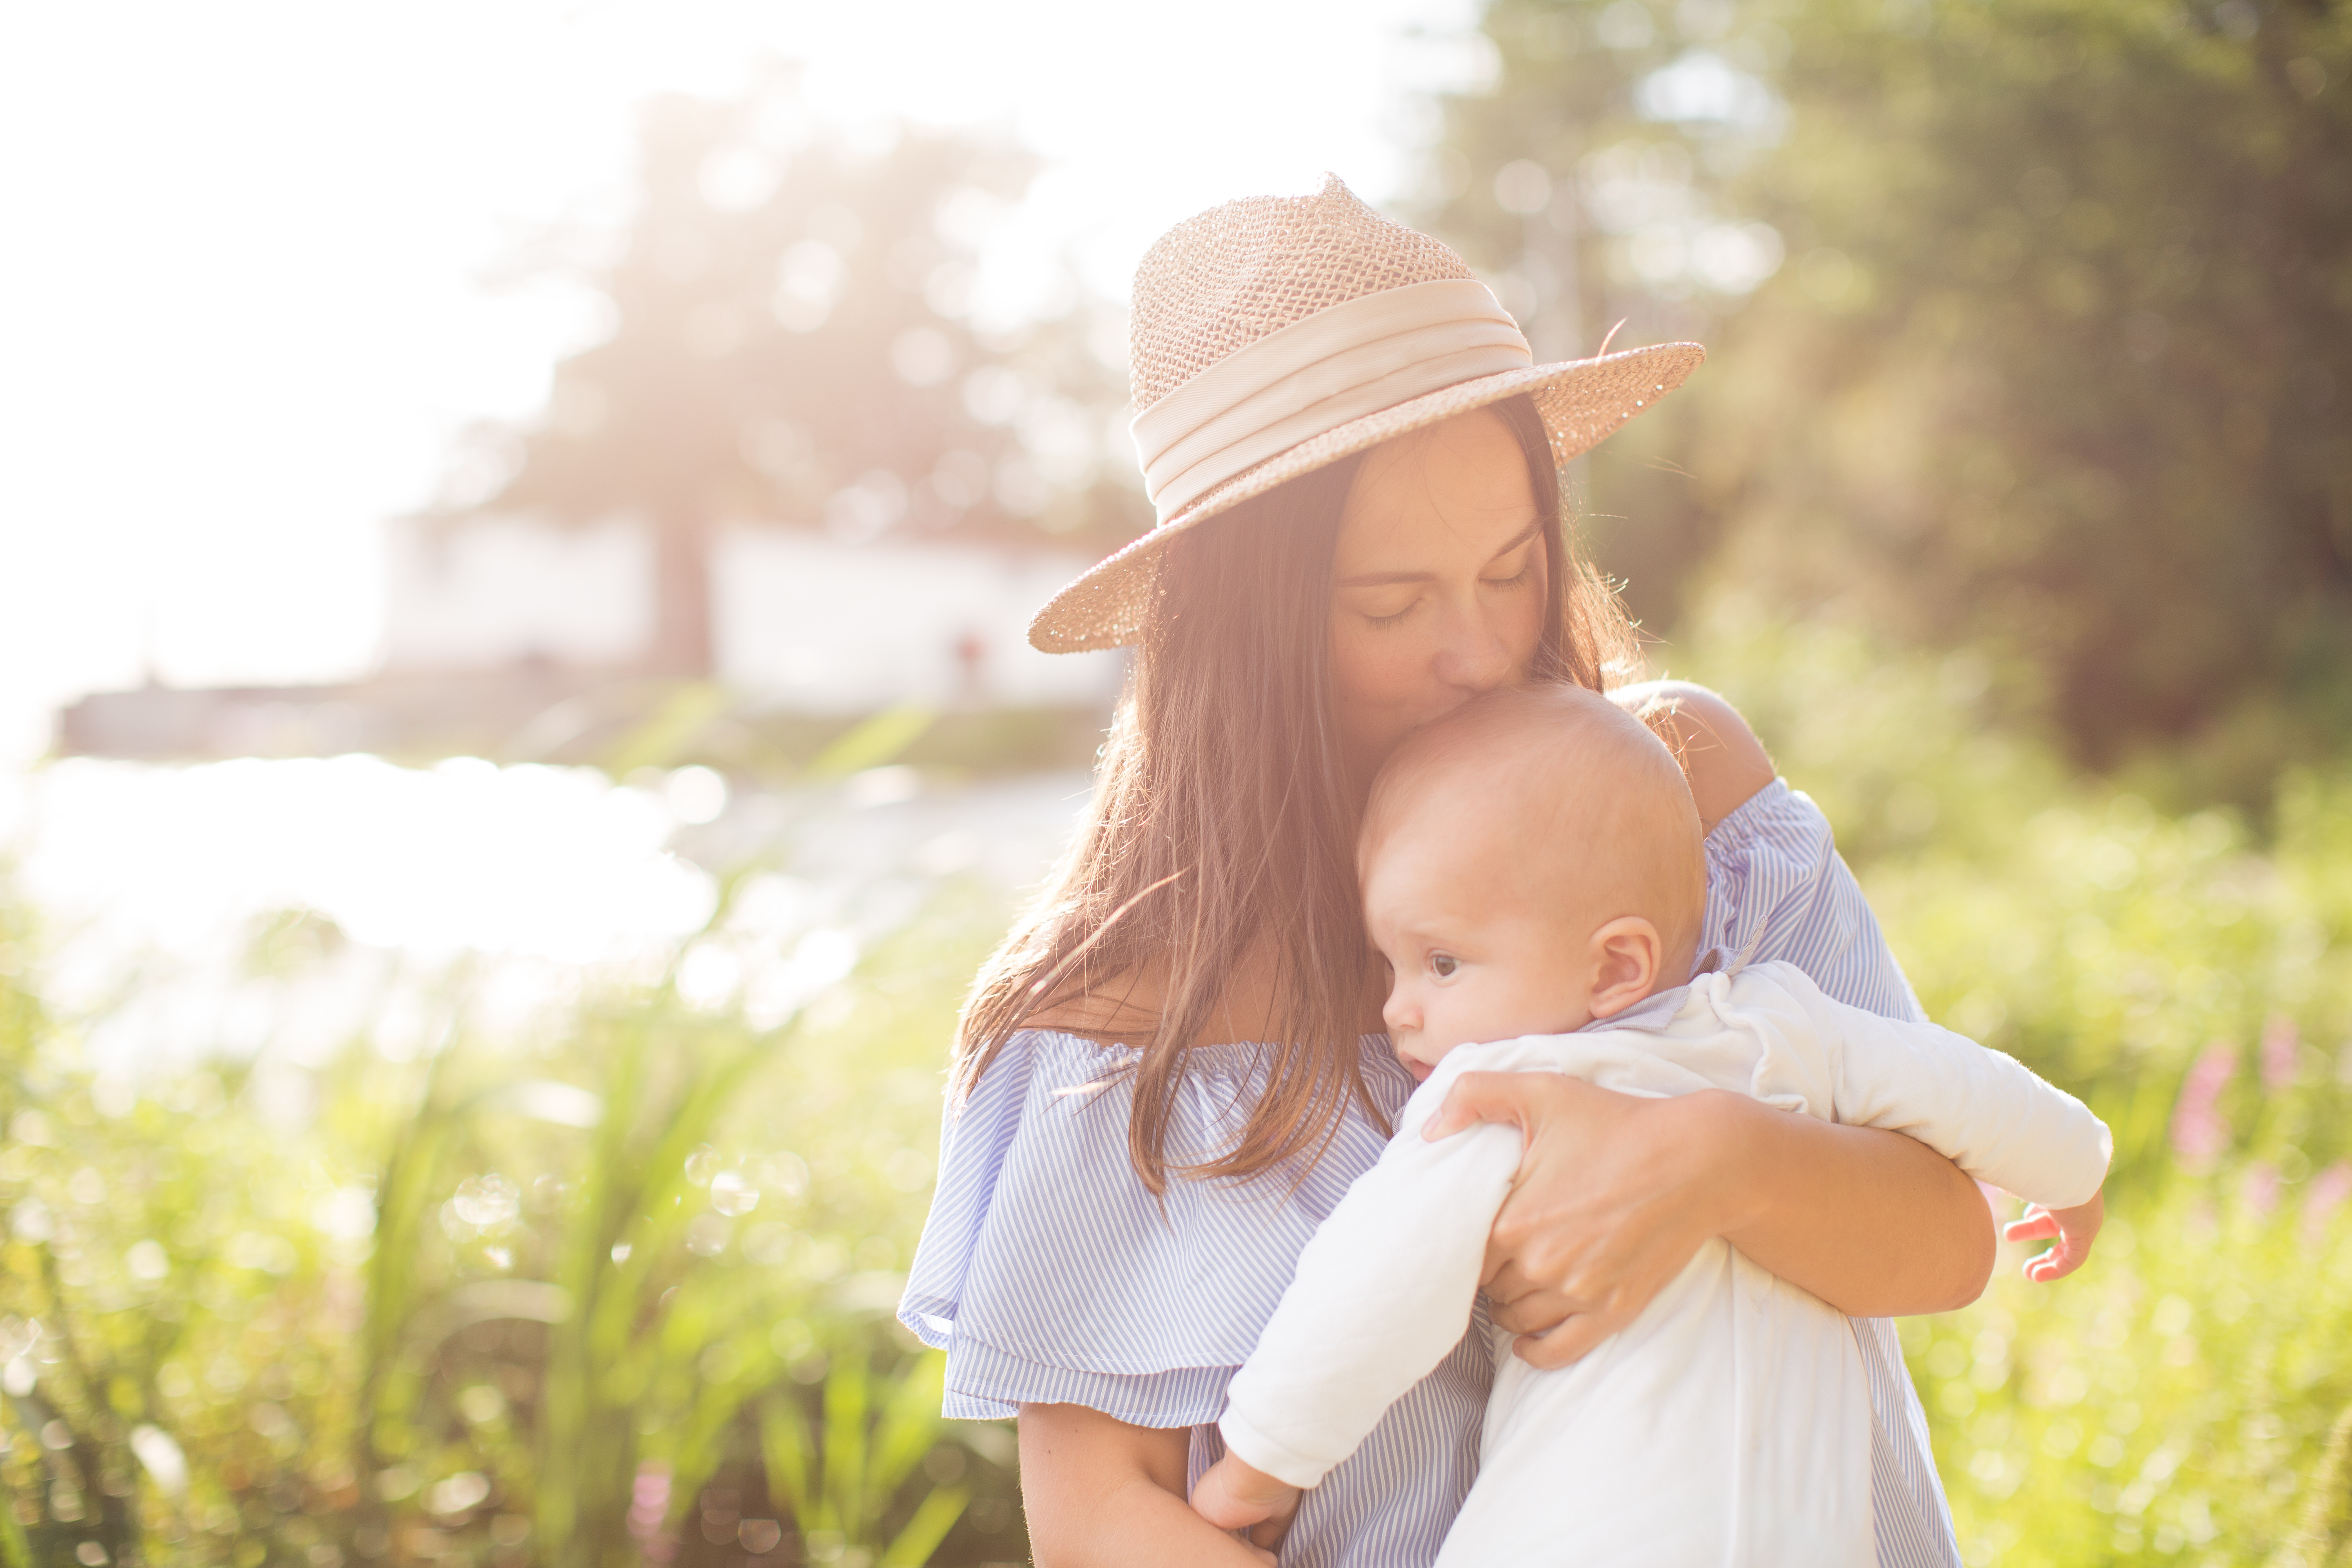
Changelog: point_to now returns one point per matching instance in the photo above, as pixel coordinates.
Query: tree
(793, 343)
(2060, 360)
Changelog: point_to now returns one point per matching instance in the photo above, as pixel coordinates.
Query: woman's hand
(2076, 1229)
(1096, 1490)
(1616, 1194)
(1608, 1206)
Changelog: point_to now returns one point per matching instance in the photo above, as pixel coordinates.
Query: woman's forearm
(1876, 1224)
(1097, 1492)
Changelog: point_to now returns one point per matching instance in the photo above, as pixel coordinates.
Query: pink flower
(2282, 1053)
(2261, 1187)
(648, 1499)
(2199, 1133)
(2324, 1197)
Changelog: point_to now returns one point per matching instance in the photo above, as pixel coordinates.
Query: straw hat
(1277, 334)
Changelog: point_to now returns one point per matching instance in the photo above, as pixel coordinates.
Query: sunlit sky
(251, 288)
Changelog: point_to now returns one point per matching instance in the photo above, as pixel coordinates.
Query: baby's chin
(1421, 1070)
(1436, 1053)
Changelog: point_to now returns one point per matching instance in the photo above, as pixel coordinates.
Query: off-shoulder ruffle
(1048, 1273)
(1776, 888)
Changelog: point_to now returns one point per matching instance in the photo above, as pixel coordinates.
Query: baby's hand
(1235, 1496)
(2076, 1229)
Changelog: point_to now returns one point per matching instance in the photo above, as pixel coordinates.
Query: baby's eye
(1443, 964)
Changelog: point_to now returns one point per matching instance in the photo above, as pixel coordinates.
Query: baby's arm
(1382, 1294)
(1982, 1110)
(2075, 1229)
(1235, 1494)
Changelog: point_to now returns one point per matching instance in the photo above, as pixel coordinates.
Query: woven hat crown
(1220, 281)
(1276, 335)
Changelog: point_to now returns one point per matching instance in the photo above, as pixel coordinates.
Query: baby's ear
(1627, 954)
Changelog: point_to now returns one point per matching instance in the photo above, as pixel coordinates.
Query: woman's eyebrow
(1532, 529)
(1382, 579)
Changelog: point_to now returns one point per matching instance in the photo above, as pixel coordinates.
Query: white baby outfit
(1728, 1424)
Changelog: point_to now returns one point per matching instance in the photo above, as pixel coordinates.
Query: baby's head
(1530, 862)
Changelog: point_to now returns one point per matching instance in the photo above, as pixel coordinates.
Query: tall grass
(577, 1299)
(614, 1287)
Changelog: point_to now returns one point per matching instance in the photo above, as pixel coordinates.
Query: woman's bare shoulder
(1721, 756)
(1120, 1008)
(1124, 1009)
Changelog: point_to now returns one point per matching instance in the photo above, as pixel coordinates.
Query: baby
(1533, 872)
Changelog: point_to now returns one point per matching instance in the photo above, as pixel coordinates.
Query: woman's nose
(1474, 656)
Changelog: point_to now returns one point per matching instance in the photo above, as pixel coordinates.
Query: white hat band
(1359, 357)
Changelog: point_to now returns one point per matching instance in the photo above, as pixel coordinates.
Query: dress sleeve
(1049, 1273)
(1777, 889)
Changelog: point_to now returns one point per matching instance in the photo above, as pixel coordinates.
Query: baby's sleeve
(1381, 1295)
(1983, 1111)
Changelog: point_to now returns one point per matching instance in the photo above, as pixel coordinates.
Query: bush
(620, 1289)
(2192, 978)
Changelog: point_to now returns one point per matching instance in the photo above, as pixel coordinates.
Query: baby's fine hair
(1602, 808)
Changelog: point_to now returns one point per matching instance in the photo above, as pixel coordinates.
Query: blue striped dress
(1049, 1274)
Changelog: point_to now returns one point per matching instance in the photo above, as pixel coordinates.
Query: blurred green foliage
(616, 1289)
(578, 1298)
(2055, 360)
(2174, 1401)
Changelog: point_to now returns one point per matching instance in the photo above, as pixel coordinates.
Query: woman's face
(1438, 582)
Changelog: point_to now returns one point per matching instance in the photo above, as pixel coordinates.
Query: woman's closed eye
(1503, 575)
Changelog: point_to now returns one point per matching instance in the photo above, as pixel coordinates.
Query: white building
(820, 625)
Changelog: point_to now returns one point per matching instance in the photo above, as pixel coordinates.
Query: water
(289, 906)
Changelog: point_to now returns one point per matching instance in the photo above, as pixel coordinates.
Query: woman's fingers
(1527, 1311)
(1608, 1205)
(1571, 1342)
(1517, 1305)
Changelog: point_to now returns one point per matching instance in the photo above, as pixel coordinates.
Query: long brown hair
(1223, 820)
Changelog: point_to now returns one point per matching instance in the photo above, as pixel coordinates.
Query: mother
(1171, 1068)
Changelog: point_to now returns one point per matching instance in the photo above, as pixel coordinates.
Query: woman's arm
(1097, 1490)
(1616, 1194)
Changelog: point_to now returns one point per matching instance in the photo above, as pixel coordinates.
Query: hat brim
(1581, 403)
